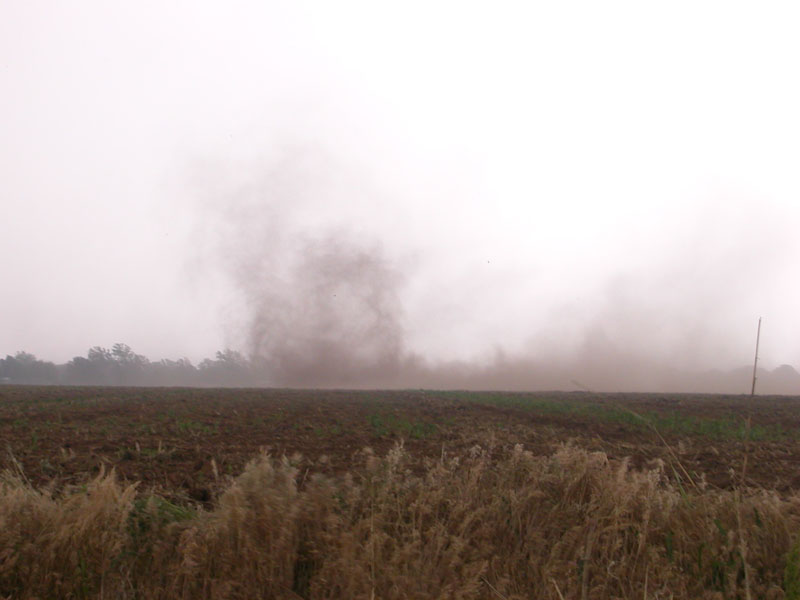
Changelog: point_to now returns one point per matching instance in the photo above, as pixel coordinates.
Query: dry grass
(571, 525)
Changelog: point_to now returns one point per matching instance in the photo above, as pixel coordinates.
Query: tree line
(120, 365)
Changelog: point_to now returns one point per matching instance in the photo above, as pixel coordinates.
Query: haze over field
(439, 193)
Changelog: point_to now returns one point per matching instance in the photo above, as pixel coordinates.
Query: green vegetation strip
(729, 427)
(386, 423)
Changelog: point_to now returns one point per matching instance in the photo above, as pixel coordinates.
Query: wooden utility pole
(755, 362)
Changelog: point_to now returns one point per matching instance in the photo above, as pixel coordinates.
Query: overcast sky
(538, 176)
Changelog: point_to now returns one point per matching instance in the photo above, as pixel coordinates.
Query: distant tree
(130, 368)
(232, 358)
(95, 369)
(25, 368)
(25, 358)
(230, 368)
(118, 366)
(184, 364)
(173, 372)
(123, 354)
(122, 366)
(81, 371)
(99, 355)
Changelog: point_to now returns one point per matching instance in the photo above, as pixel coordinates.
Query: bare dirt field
(189, 443)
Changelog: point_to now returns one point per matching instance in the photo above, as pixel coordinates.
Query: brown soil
(188, 443)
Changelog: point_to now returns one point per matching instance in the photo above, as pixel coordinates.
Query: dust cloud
(319, 301)
(317, 304)
(332, 319)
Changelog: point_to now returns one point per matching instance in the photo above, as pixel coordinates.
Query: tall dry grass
(572, 525)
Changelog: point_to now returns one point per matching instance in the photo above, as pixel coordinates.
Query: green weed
(791, 574)
(385, 424)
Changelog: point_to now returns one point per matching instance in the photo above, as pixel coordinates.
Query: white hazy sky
(542, 173)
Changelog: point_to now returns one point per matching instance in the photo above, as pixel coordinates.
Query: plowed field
(188, 443)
